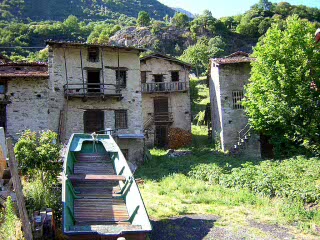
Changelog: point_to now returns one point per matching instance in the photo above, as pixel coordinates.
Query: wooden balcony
(92, 90)
(163, 87)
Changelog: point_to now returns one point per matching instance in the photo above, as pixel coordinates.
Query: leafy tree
(143, 19)
(279, 100)
(180, 20)
(38, 153)
(200, 53)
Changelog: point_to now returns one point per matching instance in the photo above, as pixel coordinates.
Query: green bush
(207, 172)
(11, 227)
(295, 178)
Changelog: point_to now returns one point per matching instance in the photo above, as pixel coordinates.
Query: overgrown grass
(237, 190)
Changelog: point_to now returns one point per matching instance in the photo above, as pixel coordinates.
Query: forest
(26, 24)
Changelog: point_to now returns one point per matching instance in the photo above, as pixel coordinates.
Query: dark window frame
(121, 77)
(143, 75)
(93, 54)
(121, 119)
(175, 78)
(237, 97)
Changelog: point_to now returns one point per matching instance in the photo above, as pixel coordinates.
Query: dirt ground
(198, 227)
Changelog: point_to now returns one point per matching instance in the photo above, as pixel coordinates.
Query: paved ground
(198, 227)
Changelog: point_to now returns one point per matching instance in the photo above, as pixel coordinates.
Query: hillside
(83, 9)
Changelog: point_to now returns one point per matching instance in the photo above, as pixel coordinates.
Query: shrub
(11, 227)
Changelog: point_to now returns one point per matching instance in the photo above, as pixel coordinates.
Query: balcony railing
(92, 90)
(164, 87)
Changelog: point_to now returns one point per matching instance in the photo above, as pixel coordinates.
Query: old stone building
(165, 97)
(83, 88)
(23, 97)
(230, 128)
(96, 87)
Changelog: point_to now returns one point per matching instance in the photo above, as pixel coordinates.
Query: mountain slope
(83, 9)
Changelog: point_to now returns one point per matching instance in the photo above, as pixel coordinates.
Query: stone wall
(75, 107)
(179, 102)
(28, 107)
(227, 121)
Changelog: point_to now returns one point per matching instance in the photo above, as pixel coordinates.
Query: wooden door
(93, 121)
(161, 109)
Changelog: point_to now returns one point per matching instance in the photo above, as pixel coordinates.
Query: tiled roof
(24, 69)
(163, 56)
(85, 44)
(237, 57)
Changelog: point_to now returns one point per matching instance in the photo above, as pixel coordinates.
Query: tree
(279, 100)
(180, 20)
(143, 19)
(200, 53)
(38, 152)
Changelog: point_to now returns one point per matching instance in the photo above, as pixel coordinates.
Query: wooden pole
(13, 165)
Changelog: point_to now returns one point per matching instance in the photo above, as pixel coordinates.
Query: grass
(182, 185)
(170, 191)
(237, 190)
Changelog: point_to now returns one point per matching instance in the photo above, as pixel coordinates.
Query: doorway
(93, 121)
(161, 109)
(93, 81)
(161, 136)
(3, 117)
(158, 79)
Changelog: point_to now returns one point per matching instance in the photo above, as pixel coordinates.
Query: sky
(222, 8)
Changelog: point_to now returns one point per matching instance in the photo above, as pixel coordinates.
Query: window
(175, 76)
(237, 97)
(93, 54)
(143, 76)
(121, 119)
(121, 76)
(93, 121)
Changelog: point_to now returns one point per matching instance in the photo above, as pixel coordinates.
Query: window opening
(121, 119)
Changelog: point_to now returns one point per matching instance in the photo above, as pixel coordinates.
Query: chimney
(128, 40)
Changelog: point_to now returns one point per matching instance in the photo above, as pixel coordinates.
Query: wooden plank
(90, 177)
(13, 165)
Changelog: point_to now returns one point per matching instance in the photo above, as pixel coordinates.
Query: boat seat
(91, 177)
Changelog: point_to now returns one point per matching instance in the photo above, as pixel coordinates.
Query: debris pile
(179, 138)
(172, 153)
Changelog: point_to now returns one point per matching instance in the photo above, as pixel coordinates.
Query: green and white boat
(101, 199)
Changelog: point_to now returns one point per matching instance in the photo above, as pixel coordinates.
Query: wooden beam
(13, 165)
(91, 177)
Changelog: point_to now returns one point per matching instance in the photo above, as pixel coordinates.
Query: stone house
(23, 97)
(96, 87)
(227, 78)
(165, 97)
(83, 88)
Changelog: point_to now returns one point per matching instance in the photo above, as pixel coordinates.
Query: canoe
(101, 199)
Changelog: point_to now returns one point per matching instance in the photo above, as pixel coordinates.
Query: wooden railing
(164, 87)
(92, 90)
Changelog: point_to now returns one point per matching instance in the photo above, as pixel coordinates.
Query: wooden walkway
(98, 199)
